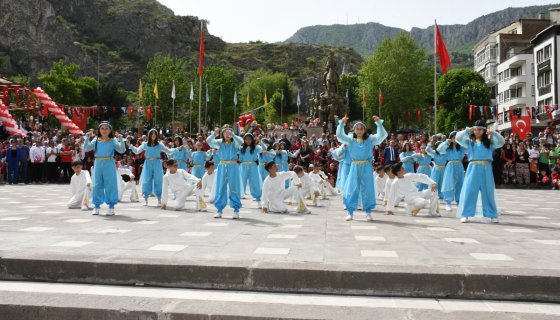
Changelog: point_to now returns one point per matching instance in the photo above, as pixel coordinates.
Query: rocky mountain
(365, 38)
(122, 35)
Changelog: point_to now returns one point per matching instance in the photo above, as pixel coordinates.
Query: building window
(532, 68)
(532, 90)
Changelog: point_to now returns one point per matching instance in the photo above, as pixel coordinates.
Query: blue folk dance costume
(424, 162)
(152, 172)
(249, 172)
(104, 177)
(360, 179)
(439, 167)
(479, 177)
(454, 173)
(199, 159)
(264, 157)
(181, 156)
(228, 179)
(407, 159)
(344, 161)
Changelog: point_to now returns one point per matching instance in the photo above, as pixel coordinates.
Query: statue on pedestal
(329, 104)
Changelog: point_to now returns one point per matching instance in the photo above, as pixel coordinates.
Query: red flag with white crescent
(520, 125)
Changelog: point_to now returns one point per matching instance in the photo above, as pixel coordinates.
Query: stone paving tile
(525, 234)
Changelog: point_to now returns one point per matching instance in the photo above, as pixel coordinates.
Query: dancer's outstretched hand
(344, 119)
(217, 132)
(376, 118)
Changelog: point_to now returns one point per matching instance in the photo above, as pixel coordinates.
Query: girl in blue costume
(152, 173)
(104, 177)
(454, 173)
(343, 158)
(228, 179)
(199, 158)
(439, 166)
(407, 157)
(249, 170)
(360, 176)
(480, 144)
(266, 155)
(181, 154)
(282, 158)
(424, 160)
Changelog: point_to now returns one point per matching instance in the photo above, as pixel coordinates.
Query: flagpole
(190, 119)
(282, 108)
(199, 102)
(206, 106)
(173, 117)
(221, 98)
(435, 78)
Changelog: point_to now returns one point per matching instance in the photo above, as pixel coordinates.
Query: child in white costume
(179, 181)
(208, 181)
(274, 192)
(308, 186)
(126, 182)
(80, 186)
(404, 186)
(380, 178)
(322, 181)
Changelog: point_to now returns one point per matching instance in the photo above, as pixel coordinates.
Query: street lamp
(76, 43)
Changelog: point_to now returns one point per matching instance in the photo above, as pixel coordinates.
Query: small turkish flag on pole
(201, 62)
(520, 125)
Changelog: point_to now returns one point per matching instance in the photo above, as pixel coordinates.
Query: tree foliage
(222, 83)
(351, 83)
(456, 91)
(65, 87)
(399, 67)
(270, 82)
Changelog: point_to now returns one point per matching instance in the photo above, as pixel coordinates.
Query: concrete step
(35, 300)
(269, 276)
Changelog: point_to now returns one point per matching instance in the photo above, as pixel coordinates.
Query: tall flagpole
(435, 78)
(200, 68)
(199, 102)
(173, 112)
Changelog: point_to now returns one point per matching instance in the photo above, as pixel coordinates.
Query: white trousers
(276, 200)
(124, 186)
(422, 199)
(181, 198)
(80, 199)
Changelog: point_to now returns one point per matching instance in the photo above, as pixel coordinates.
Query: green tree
(399, 67)
(456, 91)
(351, 83)
(64, 86)
(222, 83)
(165, 69)
(270, 82)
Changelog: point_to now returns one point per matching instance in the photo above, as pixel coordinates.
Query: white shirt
(380, 182)
(208, 181)
(406, 188)
(78, 183)
(37, 154)
(318, 177)
(273, 187)
(177, 181)
(55, 152)
(307, 183)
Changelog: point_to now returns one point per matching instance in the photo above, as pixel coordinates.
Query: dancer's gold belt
(423, 166)
(480, 162)
(152, 158)
(361, 162)
(198, 165)
(104, 158)
(455, 161)
(441, 167)
(228, 161)
(248, 162)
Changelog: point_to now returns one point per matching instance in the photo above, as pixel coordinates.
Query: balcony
(544, 90)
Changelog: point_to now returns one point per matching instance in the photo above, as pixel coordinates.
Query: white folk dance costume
(308, 188)
(387, 190)
(415, 200)
(182, 185)
(126, 183)
(80, 186)
(380, 183)
(208, 182)
(274, 193)
(322, 181)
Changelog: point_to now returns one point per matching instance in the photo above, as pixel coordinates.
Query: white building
(505, 62)
(547, 60)
(516, 86)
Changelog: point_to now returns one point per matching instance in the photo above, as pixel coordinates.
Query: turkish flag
(148, 114)
(380, 97)
(471, 107)
(549, 112)
(201, 62)
(130, 111)
(441, 51)
(520, 125)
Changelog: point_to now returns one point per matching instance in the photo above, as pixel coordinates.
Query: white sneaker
(145, 204)
(349, 217)
(235, 215)
(85, 208)
(464, 220)
(368, 217)
(218, 215)
(95, 211)
(494, 220)
(447, 207)
(259, 205)
(111, 212)
(306, 211)
(159, 202)
(244, 197)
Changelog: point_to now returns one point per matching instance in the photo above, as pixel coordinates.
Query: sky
(273, 21)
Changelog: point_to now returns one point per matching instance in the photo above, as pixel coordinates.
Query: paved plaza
(34, 221)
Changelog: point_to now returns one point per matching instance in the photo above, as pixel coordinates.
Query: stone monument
(328, 104)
